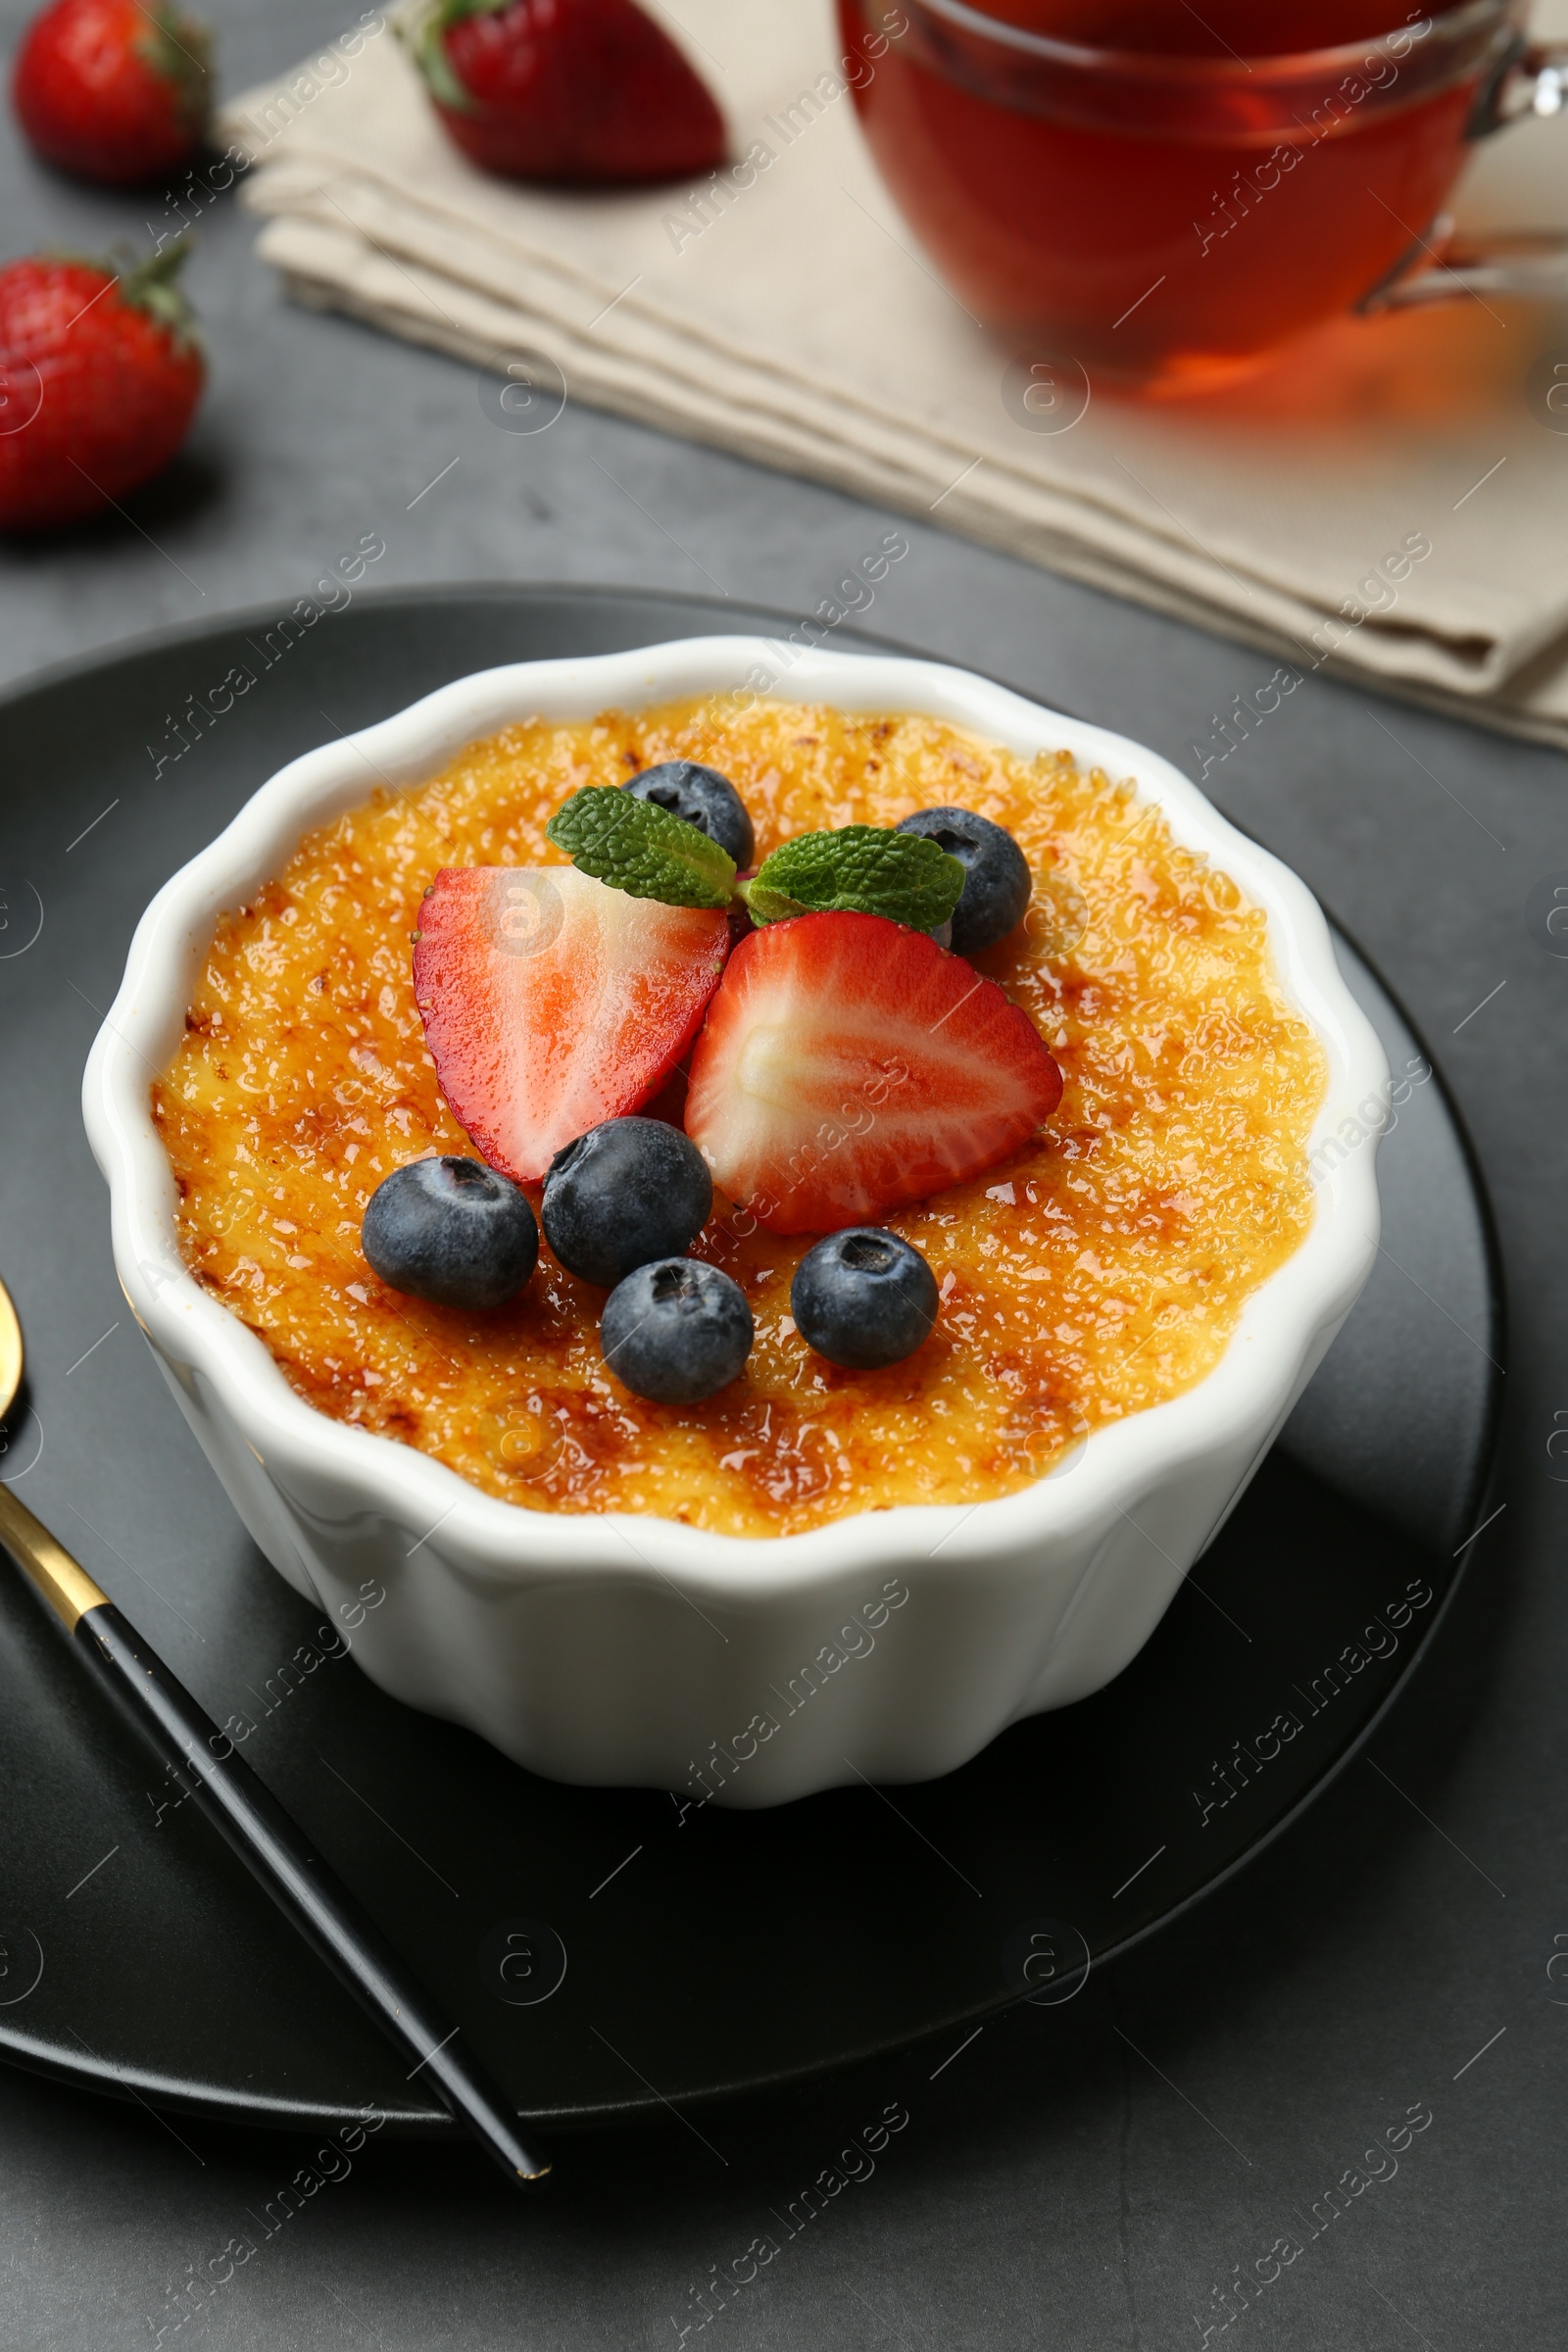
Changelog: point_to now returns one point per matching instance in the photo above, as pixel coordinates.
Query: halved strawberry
(552, 1001)
(849, 1064)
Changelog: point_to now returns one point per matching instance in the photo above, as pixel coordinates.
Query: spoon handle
(267, 1840)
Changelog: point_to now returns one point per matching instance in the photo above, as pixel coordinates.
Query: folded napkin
(1389, 504)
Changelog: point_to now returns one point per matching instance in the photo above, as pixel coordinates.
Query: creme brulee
(1099, 1270)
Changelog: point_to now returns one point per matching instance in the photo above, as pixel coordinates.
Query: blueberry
(624, 1192)
(863, 1298)
(704, 798)
(675, 1331)
(996, 894)
(451, 1230)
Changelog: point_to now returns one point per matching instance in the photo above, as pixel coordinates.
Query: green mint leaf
(637, 847)
(861, 869)
(765, 905)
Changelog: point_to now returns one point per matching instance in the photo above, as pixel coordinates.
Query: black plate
(704, 1956)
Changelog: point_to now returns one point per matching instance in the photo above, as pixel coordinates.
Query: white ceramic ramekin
(624, 1649)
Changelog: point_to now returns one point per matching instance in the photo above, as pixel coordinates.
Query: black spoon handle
(270, 1845)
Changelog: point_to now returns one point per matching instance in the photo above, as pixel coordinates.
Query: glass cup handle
(1444, 267)
(1529, 78)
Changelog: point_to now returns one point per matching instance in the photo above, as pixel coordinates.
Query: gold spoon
(69, 1590)
(267, 1840)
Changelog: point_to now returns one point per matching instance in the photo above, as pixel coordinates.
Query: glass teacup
(1115, 180)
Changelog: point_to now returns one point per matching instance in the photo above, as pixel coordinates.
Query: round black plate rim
(216, 2103)
(131, 651)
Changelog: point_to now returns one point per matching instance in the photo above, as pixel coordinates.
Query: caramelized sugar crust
(1097, 1271)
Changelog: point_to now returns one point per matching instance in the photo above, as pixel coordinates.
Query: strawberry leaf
(858, 869)
(153, 285)
(644, 850)
(423, 29)
(180, 54)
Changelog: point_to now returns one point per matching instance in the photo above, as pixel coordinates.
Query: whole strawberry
(569, 90)
(98, 378)
(112, 89)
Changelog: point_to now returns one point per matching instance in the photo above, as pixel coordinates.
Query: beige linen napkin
(1390, 503)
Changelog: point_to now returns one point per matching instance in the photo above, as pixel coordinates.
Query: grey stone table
(1057, 2184)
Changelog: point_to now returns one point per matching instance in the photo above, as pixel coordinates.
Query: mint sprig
(861, 870)
(646, 850)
